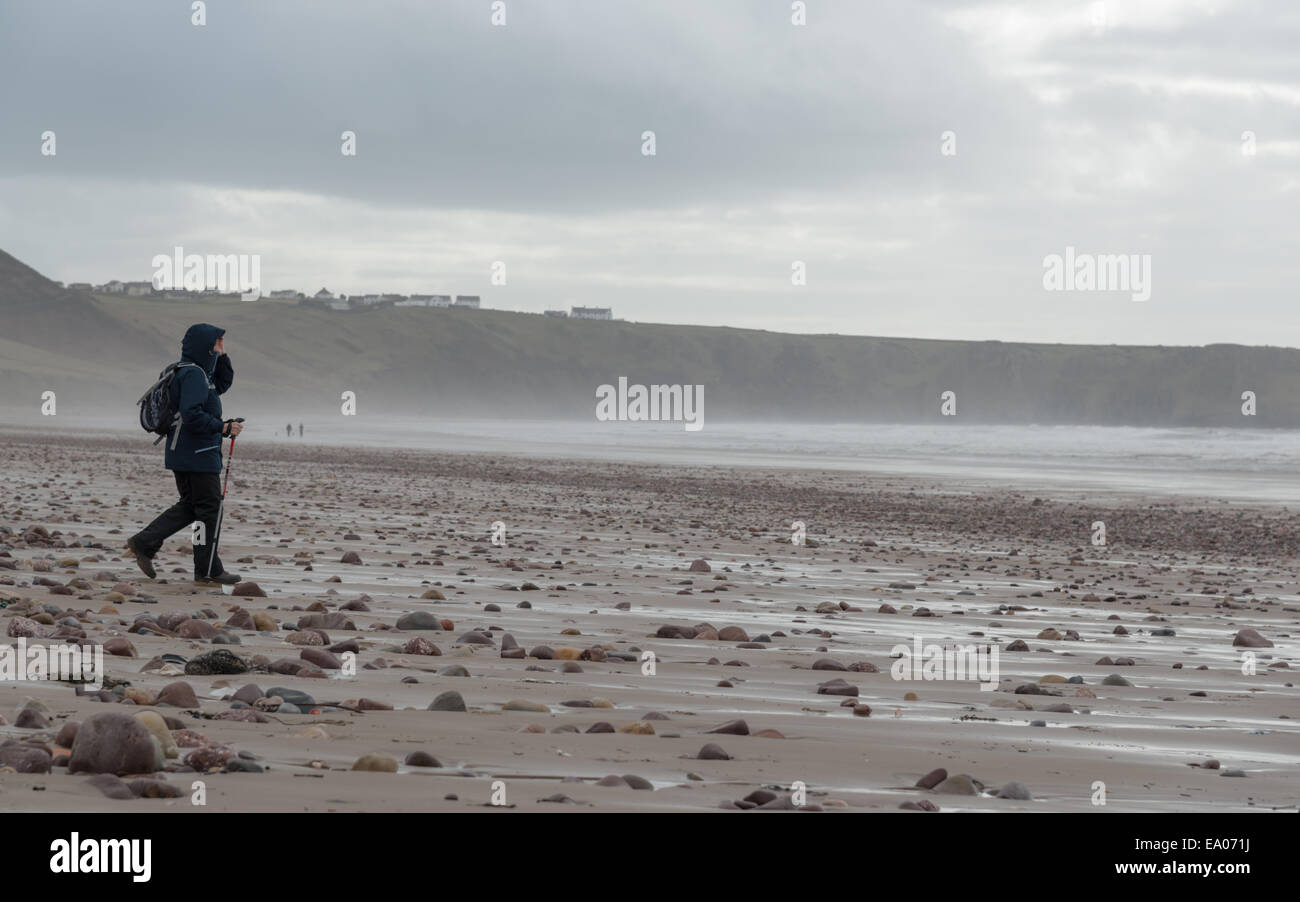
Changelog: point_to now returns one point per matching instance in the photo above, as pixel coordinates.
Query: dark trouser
(200, 500)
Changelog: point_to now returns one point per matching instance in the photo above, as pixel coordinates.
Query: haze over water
(1255, 465)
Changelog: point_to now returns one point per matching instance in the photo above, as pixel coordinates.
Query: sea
(1235, 465)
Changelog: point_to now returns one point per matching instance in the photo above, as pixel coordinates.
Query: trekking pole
(221, 508)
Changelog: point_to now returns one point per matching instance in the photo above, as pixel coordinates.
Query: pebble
(209, 758)
(1015, 790)
(110, 786)
(448, 701)
(149, 788)
(321, 658)
(1249, 638)
(919, 805)
(327, 620)
(31, 719)
(933, 778)
(960, 785)
(837, 687)
(67, 733)
(158, 729)
(377, 763)
(418, 620)
(291, 696)
(120, 647)
(25, 758)
(196, 629)
(421, 646)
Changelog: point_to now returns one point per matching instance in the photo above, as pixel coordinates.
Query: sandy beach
(1118, 677)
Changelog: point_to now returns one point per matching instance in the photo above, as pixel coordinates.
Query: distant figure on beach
(288, 430)
(300, 430)
(194, 456)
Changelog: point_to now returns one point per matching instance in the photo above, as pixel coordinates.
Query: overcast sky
(1114, 128)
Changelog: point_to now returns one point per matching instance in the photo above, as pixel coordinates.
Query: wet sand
(609, 547)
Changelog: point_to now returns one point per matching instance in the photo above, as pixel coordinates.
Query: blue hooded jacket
(198, 443)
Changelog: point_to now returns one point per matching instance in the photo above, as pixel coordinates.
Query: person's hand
(233, 428)
(220, 346)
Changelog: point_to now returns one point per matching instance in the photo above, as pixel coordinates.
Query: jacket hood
(196, 347)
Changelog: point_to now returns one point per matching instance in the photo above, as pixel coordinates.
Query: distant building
(324, 295)
(339, 304)
(138, 289)
(113, 287)
(80, 286)
(562, 314)
(439, 300)
(287, 294)
(466, 300)
(393, 298)
(415, 300)
(592, 313)
(369, 299)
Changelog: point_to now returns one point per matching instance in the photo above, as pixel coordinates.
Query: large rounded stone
(113, 743)
(180, 693)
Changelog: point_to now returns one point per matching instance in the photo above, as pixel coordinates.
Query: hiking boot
(142, 560)
(224, 578)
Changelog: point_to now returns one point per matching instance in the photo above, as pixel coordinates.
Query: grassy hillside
(494, 363)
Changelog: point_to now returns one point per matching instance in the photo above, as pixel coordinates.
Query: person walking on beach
(194, 456)
(288, 430)
(300, 430)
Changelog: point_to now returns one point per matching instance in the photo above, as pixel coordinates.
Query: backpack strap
(206, 377)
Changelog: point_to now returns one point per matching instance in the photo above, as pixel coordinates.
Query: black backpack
(160, 405)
